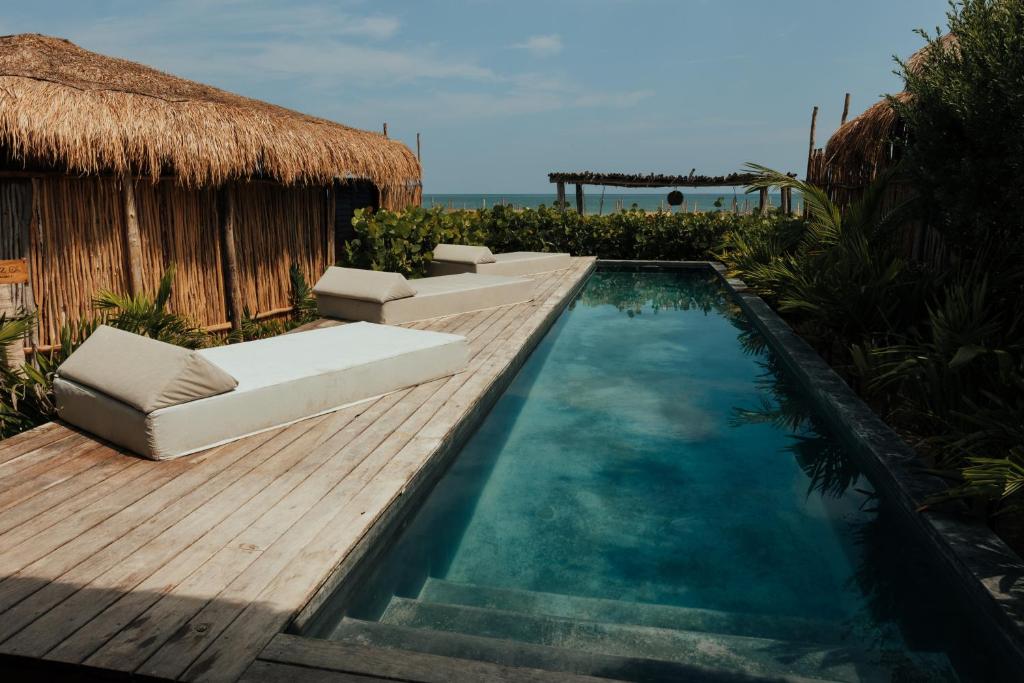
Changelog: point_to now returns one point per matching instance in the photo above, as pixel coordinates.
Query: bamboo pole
(846, 109)
(579, 199)
(810, 147)
(133, 242)
(231, 279)
(418, 146)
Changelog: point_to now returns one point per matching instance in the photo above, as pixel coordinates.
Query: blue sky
(504, 92)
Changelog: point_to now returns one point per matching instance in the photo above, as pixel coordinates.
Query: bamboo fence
(78, 229)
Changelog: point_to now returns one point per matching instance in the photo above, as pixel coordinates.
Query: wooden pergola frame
(581, 178)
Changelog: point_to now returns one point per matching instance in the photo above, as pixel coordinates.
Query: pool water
(651, 487)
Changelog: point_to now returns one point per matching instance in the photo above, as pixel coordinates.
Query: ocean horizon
(597, 203)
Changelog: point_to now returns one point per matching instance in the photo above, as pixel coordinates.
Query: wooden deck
(187, 569)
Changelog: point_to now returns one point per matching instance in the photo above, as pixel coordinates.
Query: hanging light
(675, 198)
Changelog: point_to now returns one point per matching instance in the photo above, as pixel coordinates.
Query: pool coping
(989, 572)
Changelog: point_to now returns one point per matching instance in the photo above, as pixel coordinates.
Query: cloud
(349, 63)
(452, 105)
(547, 45)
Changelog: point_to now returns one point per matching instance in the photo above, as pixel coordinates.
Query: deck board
(187, 569)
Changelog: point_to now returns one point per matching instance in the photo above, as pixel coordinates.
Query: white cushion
(280, 380)
(143, 373)
(364, 285)
(461, 253)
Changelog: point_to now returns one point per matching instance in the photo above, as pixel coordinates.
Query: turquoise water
(704, 200)
(651, 451)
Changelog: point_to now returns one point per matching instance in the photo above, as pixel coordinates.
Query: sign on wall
(13, 271)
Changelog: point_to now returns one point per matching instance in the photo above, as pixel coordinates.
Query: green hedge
(402, 241)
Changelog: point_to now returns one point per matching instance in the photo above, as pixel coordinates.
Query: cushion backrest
(461, 253)
(144, 373)
(365, 285)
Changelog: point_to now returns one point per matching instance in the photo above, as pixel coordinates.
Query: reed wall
(77, 247)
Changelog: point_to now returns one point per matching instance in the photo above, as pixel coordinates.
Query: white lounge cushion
(364, 285)
(143, 373)
(280, 380)
(435, 297)
(515, 263)
(461, 253)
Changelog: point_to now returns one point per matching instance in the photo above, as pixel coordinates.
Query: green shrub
(964, 148)
(402, 241)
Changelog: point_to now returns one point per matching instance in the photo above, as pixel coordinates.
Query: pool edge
(392, 519)
(979, 561)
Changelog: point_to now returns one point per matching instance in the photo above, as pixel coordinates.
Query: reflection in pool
(652, 485)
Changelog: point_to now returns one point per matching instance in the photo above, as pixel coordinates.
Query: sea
(598, 203)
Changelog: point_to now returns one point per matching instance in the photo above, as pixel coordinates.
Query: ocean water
(595, 204)
(652, 451)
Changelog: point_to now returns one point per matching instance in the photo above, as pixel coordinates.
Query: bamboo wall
(78, 243)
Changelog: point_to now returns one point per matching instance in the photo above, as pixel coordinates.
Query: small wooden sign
(13, 271)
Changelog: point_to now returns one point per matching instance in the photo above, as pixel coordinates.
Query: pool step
(530, 656)
(639, 614)
(740, 654)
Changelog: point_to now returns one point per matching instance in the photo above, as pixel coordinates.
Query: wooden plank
(78, 563)
(78, 457)
(198, 574)
(34, 461)
(38, 513)
(19, 444)
(228, 605)
(348, 510)
(403, 665)
(187, 510)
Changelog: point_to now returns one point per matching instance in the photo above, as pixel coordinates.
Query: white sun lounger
(163, 401)
(458, 258)
(375, 296)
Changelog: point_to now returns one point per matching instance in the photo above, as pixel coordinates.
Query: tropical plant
(301, 297)
(149, 316)
(26, 395)
(838, 274)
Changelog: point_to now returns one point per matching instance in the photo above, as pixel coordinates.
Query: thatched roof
(88, 113)
(863, 145)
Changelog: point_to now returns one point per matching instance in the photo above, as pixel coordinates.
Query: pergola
(581, 178)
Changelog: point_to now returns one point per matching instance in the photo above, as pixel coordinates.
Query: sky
(504, 92)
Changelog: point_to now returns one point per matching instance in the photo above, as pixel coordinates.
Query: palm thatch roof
(863, 145)
(65, 106)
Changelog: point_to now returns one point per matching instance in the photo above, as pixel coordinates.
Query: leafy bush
(402, 241)
(939, 354)
(838, 275)
(964, 151)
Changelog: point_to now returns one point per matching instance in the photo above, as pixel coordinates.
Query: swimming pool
(653, 493)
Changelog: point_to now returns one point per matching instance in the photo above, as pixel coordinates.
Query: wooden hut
(111, 170)
(867, 145)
